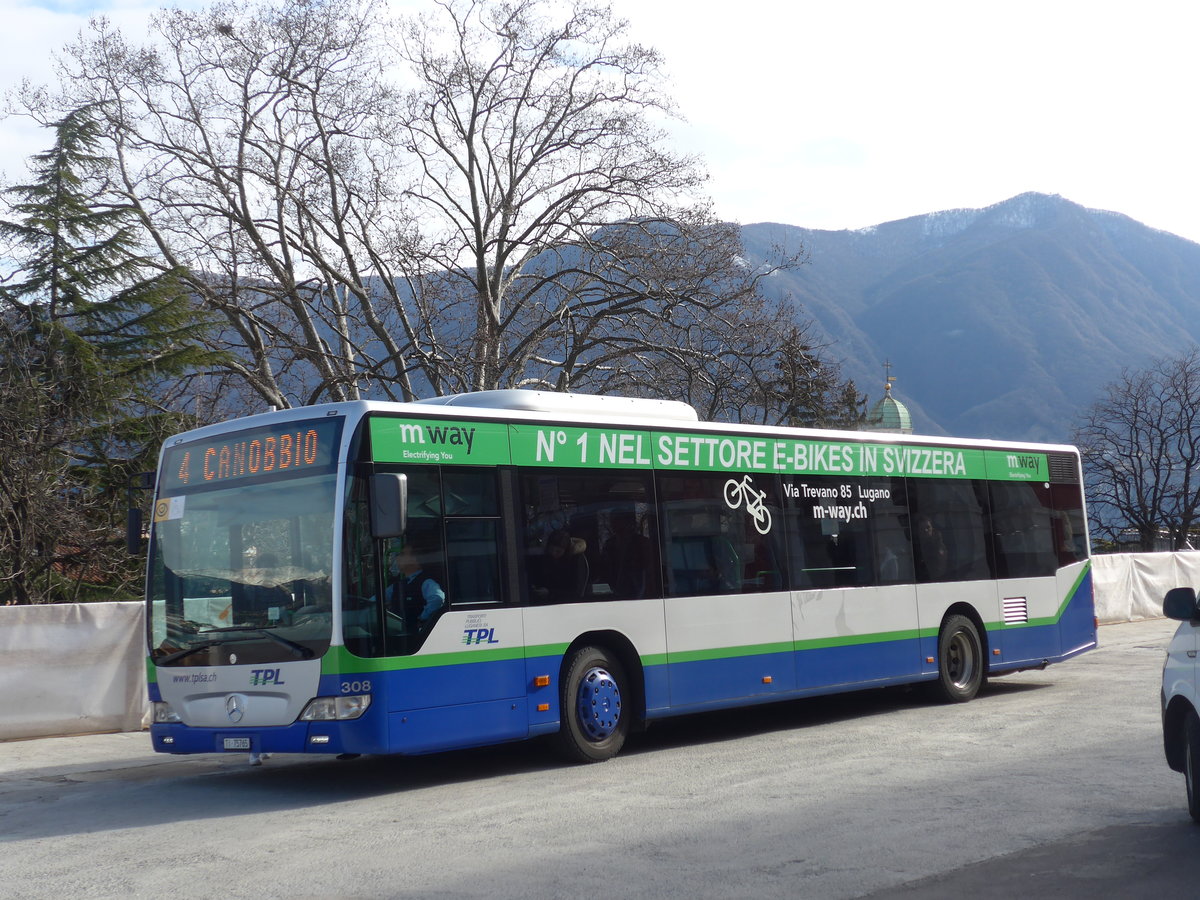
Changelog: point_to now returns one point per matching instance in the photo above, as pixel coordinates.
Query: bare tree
(549, 195)
(1141, 453)
(257, 144)
(506, 212)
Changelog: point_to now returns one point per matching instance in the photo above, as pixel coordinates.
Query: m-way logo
(1016, 461)
(444, 435)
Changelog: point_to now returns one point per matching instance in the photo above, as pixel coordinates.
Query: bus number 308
(356, 687)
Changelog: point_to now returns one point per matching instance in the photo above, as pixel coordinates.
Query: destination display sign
(283, 450)
(497, 443)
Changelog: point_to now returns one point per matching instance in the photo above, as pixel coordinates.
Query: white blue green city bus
(596, 563)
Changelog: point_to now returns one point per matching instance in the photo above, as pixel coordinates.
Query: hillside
(1001, 322)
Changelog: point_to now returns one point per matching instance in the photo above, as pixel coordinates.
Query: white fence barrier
(1130, 586)
(71, 668)
(79, 668)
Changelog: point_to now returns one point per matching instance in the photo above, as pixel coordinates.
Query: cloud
(851, 113)
(891, 110)
(33, 34)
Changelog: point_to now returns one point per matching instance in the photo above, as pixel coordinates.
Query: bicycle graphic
(739, 492)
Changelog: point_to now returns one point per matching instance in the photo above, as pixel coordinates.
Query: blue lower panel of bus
(376, 732)
(465, 725)
(700, 684)
(366, 734)
(858, 663)
(1077, 625)
(1027, 645)
(299, 737)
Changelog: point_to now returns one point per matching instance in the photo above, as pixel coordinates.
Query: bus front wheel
(960, 660)
(594, 706)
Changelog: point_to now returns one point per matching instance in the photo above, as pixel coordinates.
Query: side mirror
(140, 481)
(133, 531)
(389, 505)
(1180, 603)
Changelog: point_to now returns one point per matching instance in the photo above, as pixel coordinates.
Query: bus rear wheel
(960, 660)
(593, 704)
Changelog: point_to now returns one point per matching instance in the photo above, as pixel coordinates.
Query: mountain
(1005, 322)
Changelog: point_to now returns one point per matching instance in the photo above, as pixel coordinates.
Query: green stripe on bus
(730, 652)
(853, 640)
(339, 660)
(537, 650)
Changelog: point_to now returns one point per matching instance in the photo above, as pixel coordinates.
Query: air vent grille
(1063, 469)
(1016, 611)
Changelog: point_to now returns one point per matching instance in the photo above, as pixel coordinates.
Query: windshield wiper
(180, 654)
(298, 650)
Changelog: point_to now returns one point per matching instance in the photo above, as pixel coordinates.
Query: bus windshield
(242, 574)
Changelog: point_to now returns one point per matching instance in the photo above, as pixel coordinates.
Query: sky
(837, 114)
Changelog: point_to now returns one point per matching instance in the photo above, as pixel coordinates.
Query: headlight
(163, 714)
(328, 709)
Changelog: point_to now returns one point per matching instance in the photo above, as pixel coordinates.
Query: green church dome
(890, 415)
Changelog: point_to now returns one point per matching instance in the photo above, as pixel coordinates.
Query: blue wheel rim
(598, 704)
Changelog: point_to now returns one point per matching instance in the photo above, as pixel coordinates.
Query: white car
(1180, 698)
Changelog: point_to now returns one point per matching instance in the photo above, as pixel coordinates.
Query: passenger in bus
(423, 599)
(932, 556)
(626, 556)
(561, 574)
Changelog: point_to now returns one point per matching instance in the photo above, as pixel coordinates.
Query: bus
(405, 578)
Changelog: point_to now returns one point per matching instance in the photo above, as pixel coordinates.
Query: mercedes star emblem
(235, 707)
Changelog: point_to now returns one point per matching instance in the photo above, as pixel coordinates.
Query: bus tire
(594, 703)
(1191, 763)
(960, 660)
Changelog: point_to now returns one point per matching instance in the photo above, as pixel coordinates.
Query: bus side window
(362, 629)
(627, 555)
(722, 534)
(473, 536)
(950, 535)
(1069, 525)
(589, 535)
(887, 508)
(841, 537)
(473, 561)
(1022, 530)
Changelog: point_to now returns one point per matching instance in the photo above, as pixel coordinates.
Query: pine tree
(91, 333)
(804, 390)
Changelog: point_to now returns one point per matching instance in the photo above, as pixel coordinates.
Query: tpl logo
(480, 636)
(260, 677)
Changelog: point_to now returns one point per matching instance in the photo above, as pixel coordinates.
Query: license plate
(237, 743)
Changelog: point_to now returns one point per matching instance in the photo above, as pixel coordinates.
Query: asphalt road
(1050, 784)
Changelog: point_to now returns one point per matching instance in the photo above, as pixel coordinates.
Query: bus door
(451, 645)
(854, 606)
(728, 621)
(1029, 538)
(952, 560)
